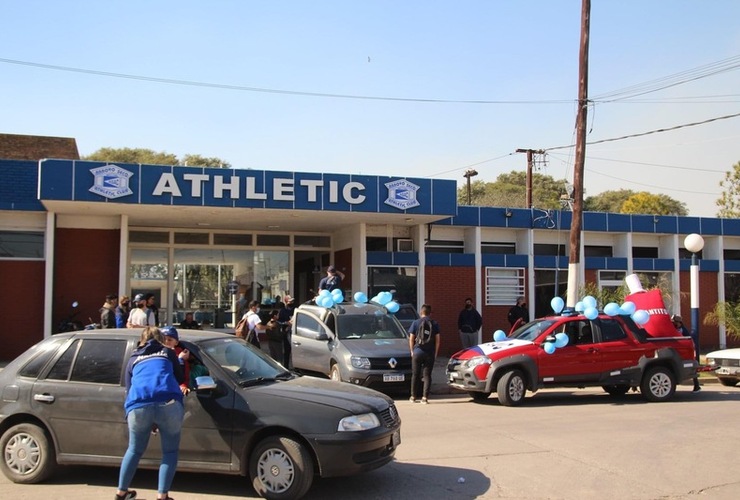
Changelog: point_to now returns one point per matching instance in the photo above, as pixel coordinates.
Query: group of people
(142, 311)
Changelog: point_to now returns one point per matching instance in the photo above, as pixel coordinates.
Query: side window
(585, 333)
(611, 330)
(37, 363)
(60, 370)
(308, 326)
(99, 362)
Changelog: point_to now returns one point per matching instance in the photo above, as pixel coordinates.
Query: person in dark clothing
(189, 323)
(469, 321)
(152, 309)
(274, 334)
(122, 311)
(423, 354)
(108, 311)
(681, 328)
(153, 398)
(332, 280)
(519, 314)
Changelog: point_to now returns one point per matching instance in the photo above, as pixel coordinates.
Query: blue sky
(521, 57)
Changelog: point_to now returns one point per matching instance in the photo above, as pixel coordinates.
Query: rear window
(37, 363)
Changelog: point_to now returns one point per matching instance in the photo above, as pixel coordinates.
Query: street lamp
(468, 174)
(694, 244)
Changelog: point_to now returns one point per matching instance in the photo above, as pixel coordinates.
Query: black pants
(422, 363)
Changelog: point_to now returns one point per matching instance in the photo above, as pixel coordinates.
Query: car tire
(511, 388)
(28, 456)
(616, 390)
(479, 397)
(334, 373)
(281, 468)
(658, 384)
(728, 382)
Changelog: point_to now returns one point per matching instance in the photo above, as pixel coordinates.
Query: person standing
(285, 319)
(469, 321)
(172, 340)
(153, 398)
(332, 280)
(424, 347)
(519, 314)
(108, 311)
(274, 336)
(254, 324)
(138, 318)
(122, 311)
(681, 328)
(189, 323)
(152, 311)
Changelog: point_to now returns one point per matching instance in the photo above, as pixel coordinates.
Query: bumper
(464, 379)
(348, 453)
(379, 380)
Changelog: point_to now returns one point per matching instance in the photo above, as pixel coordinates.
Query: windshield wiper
(286, 375)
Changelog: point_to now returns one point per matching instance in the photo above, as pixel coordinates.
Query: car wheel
(281, 468)
(511, 388)
(334, 373)
(616, 390)
(658, 384)
(28, 456)
(479, 397)
(728, 382)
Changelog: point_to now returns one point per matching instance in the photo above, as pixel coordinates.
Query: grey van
(359, 343)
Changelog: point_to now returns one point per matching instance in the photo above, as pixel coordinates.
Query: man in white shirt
(138, 318)
(255, 323)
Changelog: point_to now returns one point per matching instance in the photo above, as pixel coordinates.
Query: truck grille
(402, 363)
(389, 417)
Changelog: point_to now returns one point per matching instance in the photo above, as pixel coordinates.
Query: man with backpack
(424, 347)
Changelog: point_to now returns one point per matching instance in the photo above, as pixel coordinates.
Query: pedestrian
(241, 307)
(518, 314)
(189, 322)
(285, 319)
(332, 280)
(172, 340)
(424, 347)
(137, 318)
(122, 311)
(153, 402)
(274, 336)
(469, 322)
(681, 328)
(108, 311)
(254, 324)
(152, 311)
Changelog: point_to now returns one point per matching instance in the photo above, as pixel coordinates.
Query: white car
(727, 364)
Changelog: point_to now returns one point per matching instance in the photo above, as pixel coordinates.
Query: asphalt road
(561, 444)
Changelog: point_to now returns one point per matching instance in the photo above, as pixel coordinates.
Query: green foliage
(653, 204)
(510, 190)
(608, 201)
(727, 314)
(729, 202)
(605, 295)
(151, 157)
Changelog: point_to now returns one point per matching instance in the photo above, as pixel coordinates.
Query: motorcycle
(69, 324)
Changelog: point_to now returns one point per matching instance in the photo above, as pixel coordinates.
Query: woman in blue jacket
(153, 401)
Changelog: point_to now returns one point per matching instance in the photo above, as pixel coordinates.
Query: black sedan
(62, 403)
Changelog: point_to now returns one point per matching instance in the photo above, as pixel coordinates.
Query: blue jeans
(168, 418)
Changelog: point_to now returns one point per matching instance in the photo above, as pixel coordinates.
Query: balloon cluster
(587, 306)
(561, 340)
(329, 299)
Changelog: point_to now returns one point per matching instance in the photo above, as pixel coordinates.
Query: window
(504, 286)
(60, 370)
(731, 254)
(597, 251)
(400, 281)
(232, 239)
(548, 249)
(644, 252)
(308, 326)
(498, 248)
(376, 244)
(611, 330)
(312, 241)
(444, 246)
(99, 362)
(22, 244)
(37, 363)
(148, 237)
(273, 240)
(191, 238)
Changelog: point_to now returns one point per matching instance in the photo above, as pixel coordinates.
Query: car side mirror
(205, 383)
(549, 338)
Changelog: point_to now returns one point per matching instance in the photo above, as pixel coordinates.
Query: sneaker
(129, 495)
(424, 401)
(697, 388)
(412, 399)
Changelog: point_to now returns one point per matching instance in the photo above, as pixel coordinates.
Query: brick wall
(23, 319)
(34, 147)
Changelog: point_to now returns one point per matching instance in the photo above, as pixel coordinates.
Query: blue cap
(170, 331)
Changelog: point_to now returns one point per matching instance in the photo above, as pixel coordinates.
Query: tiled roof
(35, 147)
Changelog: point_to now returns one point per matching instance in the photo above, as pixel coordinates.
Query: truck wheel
(281, 468)
(616, 390)
(728, 382)
(334, 373)
(658, 384)
(511, 388)
(28, 457)
(479, 397)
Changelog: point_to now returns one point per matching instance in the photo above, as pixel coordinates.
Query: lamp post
(468, 174)
(694, 244)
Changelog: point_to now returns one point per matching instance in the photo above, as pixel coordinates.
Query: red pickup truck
(609, 351)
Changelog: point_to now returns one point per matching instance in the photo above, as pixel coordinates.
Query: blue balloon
(549, 347)
(612, 309)
(499, 335)
(589, 301)
(561, 339)
(337, 295)
(360, 297)
(327, 301)
(579, 307)
(384, 298)
(640, 316)
(628, 308)
(557, 304)
(375, 299)
(591, 313)
(324, 293)
(392, 306)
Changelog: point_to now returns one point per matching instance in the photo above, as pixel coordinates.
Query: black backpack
(424, 332)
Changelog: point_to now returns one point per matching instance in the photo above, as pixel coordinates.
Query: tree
(608, 201)
(149, 156)
(729, 202)
(510, 190)
(727, 314)
(656, 204)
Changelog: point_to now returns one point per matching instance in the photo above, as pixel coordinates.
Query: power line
(630, 181)
(651, 164)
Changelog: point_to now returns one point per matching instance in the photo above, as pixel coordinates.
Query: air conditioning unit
(404, 245)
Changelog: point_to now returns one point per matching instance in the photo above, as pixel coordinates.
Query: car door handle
(43, 398)
(593, 350)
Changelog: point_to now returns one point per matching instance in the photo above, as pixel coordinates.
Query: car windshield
(532, 330)
(369, 326)
(247, 365)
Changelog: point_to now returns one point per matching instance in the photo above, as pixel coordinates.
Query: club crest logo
(402, 194)
(111, 181)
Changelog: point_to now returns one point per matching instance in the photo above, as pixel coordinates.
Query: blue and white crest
(111, 181)
(402, 194)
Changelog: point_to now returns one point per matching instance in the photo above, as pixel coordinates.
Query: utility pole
(468, 174)
(576, 226)
(530, 166)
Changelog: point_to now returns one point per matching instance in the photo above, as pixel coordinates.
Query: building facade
(198, 238)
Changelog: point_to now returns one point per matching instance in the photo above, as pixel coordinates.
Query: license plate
(393, 377)
(396, 440)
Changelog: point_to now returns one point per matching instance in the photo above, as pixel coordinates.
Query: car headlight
(711, 361)
(360, 362)
(358, 423)
(476, 361)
